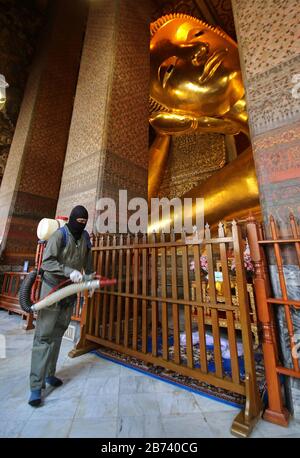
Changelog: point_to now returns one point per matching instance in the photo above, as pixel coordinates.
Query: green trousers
(51, 325)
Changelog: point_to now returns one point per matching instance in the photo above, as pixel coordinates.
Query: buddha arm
(177, 124)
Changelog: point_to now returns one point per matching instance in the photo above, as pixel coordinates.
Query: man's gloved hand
(76, 276)
(89, 277)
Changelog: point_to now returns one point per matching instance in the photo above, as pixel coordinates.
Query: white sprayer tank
(47, 226)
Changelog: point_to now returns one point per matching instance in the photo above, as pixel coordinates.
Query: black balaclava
(76, 228)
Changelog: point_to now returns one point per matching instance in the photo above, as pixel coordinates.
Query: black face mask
(74, 226)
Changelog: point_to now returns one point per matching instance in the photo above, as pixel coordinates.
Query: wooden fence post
(275, 412)
(246, 420)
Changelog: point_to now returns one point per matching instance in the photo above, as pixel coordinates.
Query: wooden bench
(9, 297)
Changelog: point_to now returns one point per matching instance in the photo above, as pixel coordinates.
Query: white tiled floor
(103, 399)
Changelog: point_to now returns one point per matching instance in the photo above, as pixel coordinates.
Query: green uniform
(52, 322)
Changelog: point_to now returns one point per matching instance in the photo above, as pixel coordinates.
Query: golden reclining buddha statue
(196, 86)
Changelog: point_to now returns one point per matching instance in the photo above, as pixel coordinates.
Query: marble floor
(105, 400)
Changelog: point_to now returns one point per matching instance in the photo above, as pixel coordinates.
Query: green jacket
(59, 261)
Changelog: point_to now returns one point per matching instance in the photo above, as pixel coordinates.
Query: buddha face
(194, 68)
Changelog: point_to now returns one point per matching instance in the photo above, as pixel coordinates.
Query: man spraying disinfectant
(67, 253)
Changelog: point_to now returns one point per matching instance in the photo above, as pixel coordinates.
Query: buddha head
(194, 67)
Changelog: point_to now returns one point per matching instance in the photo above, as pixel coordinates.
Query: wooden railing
(152, 303)
(261, 247)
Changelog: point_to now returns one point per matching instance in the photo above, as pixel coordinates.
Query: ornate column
(31, 181)
(108, 142)
(267, 33)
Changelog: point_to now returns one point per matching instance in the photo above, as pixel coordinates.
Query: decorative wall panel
(269, 43)
(268, 38)
(192, 159)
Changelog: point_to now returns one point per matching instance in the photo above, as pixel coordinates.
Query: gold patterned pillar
(30, 186)
(108, 141)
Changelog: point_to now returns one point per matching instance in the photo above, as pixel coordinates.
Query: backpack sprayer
(30, 288)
